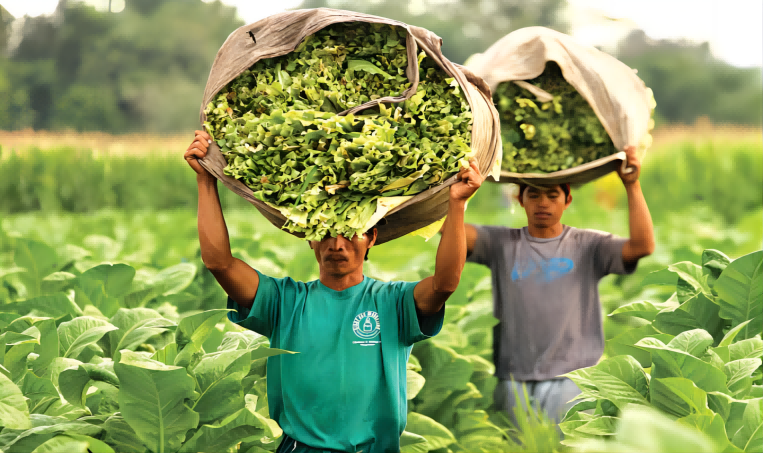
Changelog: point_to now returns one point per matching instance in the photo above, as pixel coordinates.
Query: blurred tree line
(145, 67)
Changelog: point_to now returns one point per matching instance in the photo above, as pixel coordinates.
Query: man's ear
(569, 200)
(372, 237)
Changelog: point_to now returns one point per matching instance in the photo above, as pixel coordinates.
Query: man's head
(544, 205)
(340, 256)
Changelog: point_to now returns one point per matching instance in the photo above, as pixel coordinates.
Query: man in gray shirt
(545, 290)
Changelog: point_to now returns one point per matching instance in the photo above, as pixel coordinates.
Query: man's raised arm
(641, 241)
(237, 278)
(432, 292)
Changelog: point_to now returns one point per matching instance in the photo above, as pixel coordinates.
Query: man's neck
(545, 232)
(341, 282)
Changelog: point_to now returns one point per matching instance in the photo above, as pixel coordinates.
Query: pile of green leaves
(79, 372)
(279, 126)
(697, 359)
(552, 136)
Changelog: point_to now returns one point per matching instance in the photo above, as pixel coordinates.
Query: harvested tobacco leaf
(549, 136)
(279, 128)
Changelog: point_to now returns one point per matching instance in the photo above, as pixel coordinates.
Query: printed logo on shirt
(366, 327)
(546, 271)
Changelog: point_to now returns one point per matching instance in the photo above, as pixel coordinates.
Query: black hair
(381, 222)
(564, 186)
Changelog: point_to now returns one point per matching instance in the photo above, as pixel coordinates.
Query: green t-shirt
(346, 388)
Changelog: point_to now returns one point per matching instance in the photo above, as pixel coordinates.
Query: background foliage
(144, 69)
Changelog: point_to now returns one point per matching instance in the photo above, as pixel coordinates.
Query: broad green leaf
(437, 436)
(151, 400)
(74, 443)
(73, 382)
(720, 403)
(102, 248)
(739, 375)
(53, 305)
(442, 367)
(408, 439)
(644, 309)
(599, 426)
(121, 436)
(192, 331)
(244, 425)
(77, 334)
(696, 312)
(215, 338)
(135, 326)
(167, 354)
(58, 365)
(713, 358)
(678, 396)
(740, 291)
(38, 390)
(367, 66)
(48, 348)
(57, 407)
(695, 342)
(713, 264)
(104, 400)
(728, 339)
(672, 363)
(7, 318)
(711, 425)
(736, 420)
(691, 280)
(746, 349)
(620, 380)
(662, 277)
(38, 435)
(17, 357)
(624, 343)
(175, 279)
(116, 278)
(218, 379)
(750, 436)
(246, 339)
(56, 281)
(38, 259)
(62, 443)
(14, 413)
(414, 384)
(14, 339)
(645, 429)
(103, 285)
(581, 405)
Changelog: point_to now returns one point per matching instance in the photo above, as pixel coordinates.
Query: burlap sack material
(281, 33)
(620, 99)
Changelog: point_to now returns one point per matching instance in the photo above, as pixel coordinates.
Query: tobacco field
(114, 337)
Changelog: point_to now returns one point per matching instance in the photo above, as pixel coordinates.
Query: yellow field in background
(141, 144)
(98, 142)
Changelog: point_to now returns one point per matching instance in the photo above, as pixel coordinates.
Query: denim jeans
(551, 396)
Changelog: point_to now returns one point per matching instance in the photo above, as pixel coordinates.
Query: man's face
(545, 205)
(341, 256)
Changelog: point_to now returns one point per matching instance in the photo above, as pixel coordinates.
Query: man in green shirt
(345, 390)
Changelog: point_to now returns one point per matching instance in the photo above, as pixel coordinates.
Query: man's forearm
(451, 253)
(213, 233)
(639, 220)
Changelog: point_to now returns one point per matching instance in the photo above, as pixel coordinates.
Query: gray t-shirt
(546, 297)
